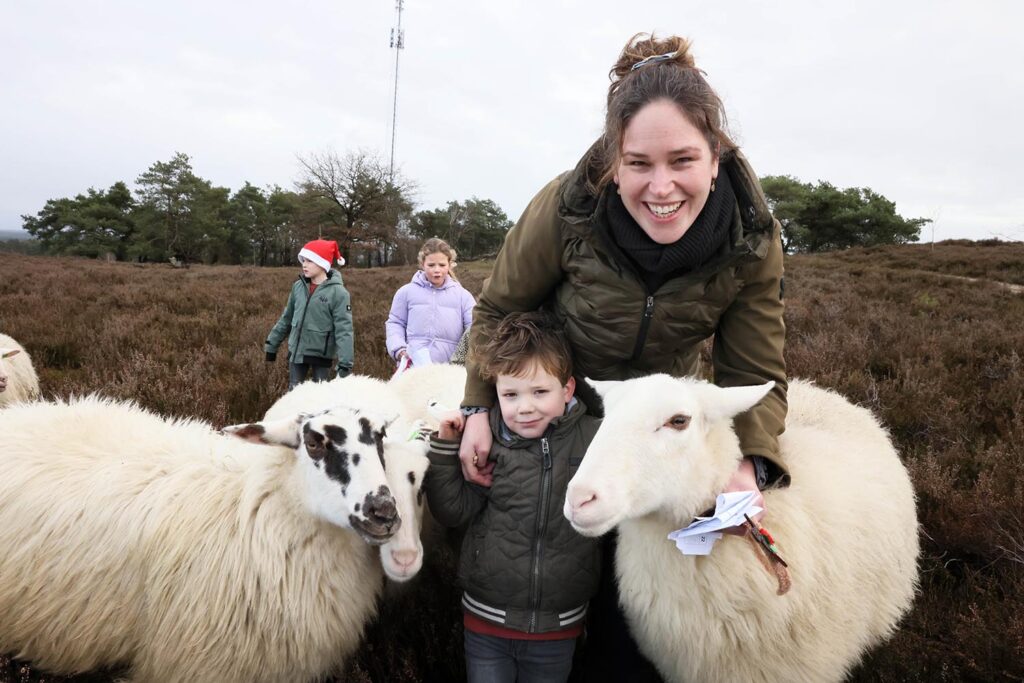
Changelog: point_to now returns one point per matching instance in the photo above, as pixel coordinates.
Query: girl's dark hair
(522, 339)
(675, 79)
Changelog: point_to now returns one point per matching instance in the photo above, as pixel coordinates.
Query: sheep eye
(678, 422)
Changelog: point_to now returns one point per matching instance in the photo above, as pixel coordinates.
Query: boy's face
(311, 270)
(531, 401)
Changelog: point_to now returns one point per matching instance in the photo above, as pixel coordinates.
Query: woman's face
(665, 171)
(436, 267)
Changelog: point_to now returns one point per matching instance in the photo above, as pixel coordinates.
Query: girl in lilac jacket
(431, 312)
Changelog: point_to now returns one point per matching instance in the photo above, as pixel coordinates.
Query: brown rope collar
(768, 555)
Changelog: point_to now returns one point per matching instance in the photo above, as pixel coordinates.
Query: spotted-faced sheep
(404, 457)
(18, 380)
(846, 525)
(184, 554)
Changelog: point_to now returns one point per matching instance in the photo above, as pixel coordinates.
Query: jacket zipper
(540, 530)
(645, 322)
(302, 324)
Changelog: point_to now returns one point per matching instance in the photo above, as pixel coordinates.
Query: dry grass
(939, 359)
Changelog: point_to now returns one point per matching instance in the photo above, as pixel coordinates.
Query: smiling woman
(658, 240)
(665, 173)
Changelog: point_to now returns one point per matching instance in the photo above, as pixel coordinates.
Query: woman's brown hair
(649, 69)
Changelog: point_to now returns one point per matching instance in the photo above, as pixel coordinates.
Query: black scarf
(657, 263)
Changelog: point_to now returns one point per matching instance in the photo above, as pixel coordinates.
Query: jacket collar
(420, 278)
(333, 278)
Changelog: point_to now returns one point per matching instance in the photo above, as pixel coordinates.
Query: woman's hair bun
(644, 45)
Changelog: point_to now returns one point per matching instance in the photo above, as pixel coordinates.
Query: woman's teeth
(664, 210)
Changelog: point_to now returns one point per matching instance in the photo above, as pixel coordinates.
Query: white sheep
(405, 458)
(186, 554)
(428, 391)
(18, 380)
(846, 525)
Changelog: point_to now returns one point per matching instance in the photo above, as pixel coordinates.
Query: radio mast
(398, 44)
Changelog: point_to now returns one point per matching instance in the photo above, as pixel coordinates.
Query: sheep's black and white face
(341, 460)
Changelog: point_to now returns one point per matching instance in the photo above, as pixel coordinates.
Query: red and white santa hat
(322, 252)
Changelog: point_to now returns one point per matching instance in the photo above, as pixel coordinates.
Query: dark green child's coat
(317, 326)
(520, 554)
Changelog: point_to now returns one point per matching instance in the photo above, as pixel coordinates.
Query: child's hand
(451, 426)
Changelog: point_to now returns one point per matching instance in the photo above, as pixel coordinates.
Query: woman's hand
(476, 445)
(402, 353)
(744, 479)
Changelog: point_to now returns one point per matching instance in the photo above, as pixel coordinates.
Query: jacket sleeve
(397, 321)
(344, 335)
(526, 271)
(453, 500)
(282, 327)
(468, 303)
(748, 349)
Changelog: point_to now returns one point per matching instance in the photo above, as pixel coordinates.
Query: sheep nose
(381, 509)
(404, 558)
(580, 497)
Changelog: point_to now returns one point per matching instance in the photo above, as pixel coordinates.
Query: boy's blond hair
(522, 339)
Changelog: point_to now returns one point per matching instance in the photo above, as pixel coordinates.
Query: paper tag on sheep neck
(700, 536)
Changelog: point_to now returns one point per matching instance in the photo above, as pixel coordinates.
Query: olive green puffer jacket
(523, 565)
(560, 255)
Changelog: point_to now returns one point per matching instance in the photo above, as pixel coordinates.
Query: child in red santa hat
(317, 318)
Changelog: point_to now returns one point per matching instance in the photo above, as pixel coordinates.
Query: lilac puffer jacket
(424, 316)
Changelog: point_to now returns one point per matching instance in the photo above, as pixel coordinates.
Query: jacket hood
(420, 278)
(333, 278)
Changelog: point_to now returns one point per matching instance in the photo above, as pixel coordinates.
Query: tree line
(174, 213)
(356, 200)
(822, 217)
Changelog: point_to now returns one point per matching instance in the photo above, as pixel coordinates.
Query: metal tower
(398, 44)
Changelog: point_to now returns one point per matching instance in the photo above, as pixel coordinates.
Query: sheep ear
(283, 432)
(723, 403)
(7, 353)
(602, 387)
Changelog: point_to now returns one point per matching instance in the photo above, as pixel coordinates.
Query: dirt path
(1016, 289)
(1009, 286)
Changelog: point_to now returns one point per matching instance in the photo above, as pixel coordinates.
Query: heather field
(898, 329)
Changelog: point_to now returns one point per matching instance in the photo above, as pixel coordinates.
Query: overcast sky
(921, 101)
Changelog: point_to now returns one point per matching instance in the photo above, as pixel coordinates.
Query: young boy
(318, 316)
(527, 575)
